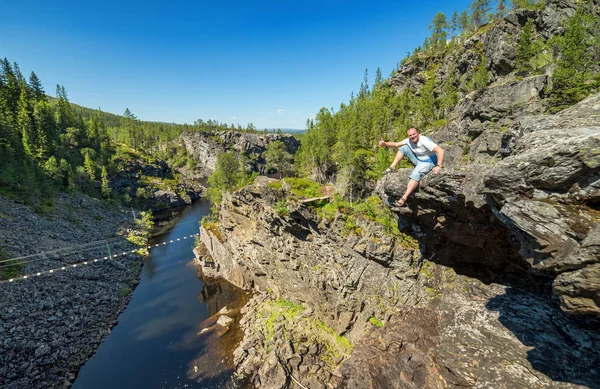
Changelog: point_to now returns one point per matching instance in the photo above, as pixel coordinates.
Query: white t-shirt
(423, 149)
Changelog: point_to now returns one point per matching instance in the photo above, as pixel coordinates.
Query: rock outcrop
(476, 299)
(535, 210)
(345, 280)
(344, 277)
(205, 146)
(470, 316)
(152, 183)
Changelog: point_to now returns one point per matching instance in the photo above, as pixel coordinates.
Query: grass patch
(371, 208)
(270, 313)
(426, 269)
(281, 208)
(213, 226)
(10, 269)
(376, 322)
(124, 292)
(128, 154)
(275, 185)
(304, 188)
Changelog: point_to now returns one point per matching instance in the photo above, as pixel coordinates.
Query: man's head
(413, 134)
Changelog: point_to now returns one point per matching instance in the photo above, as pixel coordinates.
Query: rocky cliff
(344, 280)
(152, 183)
(535, 210)
(205, 146)
(444, 322)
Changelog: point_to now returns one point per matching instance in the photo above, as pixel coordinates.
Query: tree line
(48, 144)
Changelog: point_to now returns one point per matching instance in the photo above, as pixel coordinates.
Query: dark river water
(157, 342)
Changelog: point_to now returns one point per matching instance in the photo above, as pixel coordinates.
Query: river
(157, 341)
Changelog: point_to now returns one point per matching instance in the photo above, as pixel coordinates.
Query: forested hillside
(49, 144)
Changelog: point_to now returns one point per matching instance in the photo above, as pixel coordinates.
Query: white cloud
(234, 117)
(280, 111)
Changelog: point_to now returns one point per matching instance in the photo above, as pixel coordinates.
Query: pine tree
(463, 21)
(426, 104)
(65, 117)
(438, 27)
(130, 125)
(579, 48)
(26, 126)
(480, 78)
(449, 97)
(479, 10)
(378, 78)
(501, 9)
(226, 177)
(90, 166)
(277, 158)
(12, 91)
(105, 183)
(525, 49)
(46, 134)
(35, 86)
(454, 23)
(18, 74)
(364, 86)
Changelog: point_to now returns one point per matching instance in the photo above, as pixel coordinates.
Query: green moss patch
(273, 312)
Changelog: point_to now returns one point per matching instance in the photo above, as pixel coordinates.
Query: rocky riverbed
(51, 324)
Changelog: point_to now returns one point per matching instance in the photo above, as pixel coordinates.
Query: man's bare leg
(399, 156)
(410, 187)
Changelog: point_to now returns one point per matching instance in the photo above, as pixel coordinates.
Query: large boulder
(535, 210)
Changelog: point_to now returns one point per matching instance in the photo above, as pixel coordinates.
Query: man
(422, 152)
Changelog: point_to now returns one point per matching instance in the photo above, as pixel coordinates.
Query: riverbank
(50, 325)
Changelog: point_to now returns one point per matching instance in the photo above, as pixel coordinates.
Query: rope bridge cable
(92, 261)
(76, 248)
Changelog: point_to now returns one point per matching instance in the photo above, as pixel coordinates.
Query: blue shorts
(421, 167)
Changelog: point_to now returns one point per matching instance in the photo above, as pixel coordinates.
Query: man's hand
(381, 142)
(436, 170)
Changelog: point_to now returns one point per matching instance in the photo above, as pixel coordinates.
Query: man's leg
(404, 150)
(419, 171)
(410, 187)
(399, 156)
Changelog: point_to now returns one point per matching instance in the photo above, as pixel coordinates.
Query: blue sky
(273, 64)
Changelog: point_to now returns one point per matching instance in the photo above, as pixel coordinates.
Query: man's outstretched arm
(383, 143)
